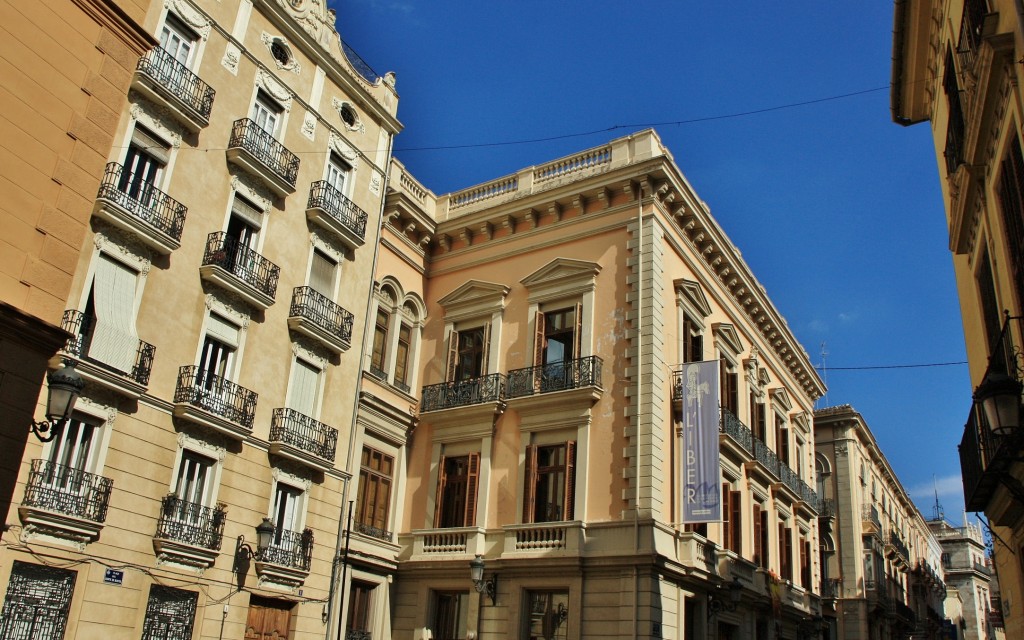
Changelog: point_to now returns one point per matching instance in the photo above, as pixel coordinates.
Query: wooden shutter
(726, 516)
(764, 538)
(762, 424)
(758, 549)
(538, 339)
(439, 499)
(570, 480)
(453, 355)
(577, 332)
(782, 549)
(486, 352)
(723, 382)
(805, 564)
(530, 484)
(788, 566)
(473, 473)
(737, 522)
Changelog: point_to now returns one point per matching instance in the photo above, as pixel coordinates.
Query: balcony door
(111, 306)
(557, 346)
(266, 114)
(287, 511)
(71, 456)
(194, 486)
(337, 174)
(144, 165)
(177, 41)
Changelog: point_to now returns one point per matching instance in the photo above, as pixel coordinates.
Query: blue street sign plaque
(113, 576)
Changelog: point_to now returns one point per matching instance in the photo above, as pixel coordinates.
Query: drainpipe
(639, 388)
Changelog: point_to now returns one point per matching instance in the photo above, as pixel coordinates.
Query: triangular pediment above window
(475, 298)
(780, 398)
(729, 338)
(693, 296)
(562, 277)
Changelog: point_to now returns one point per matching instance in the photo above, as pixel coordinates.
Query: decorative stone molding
(277, 90)
(124, 247)
(217, 451)
(308, 13)
(356, 126)
(375, 184)
(309, 126)
(305, 351)
(290, 479)
(233, 312)
(232, 56)
(191, 16)
(156, 119)
(293, 64)
(252, 189)
(342, 147)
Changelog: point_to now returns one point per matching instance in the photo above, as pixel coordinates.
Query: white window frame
(237, 318)
(339, 166)
(307, 358)
(174, 28)
(302, 485)
(195, 446)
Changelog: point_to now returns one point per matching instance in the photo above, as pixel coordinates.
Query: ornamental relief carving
(309, 126)
(157, 119)
(356, 126)
(279, 474)
(232, 310)
(215, 450)
(342, 147)
(232, 55)
(292, 64)
(268, 82)
(252, 189)
(190, 16)
(309, 351)
(327, 244)
(123, 246)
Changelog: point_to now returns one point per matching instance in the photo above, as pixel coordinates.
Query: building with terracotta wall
(956, 67)
(879, 558)
(217, 313)
(64, 72)
(560, 302)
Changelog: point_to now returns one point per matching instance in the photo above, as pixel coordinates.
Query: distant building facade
(217, 314)
(878, 556)
(956, 65)
(968, 571)
(560, 302)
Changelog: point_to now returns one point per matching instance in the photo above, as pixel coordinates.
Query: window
(337, 173)
(550, 483)
(729, 380)
(380, 343)
(170, 613)
(805, 562)
(177, 40)
(194, 483)
(955, 127)
(280, 52)
(732, 520)
(268, 618)
(402, 356)
(760, 519)
(37, 602)
(785, 552)
(558, 336)
(693, 341)
(376, 470)
(359, 610)
(110, 306)
(216, 360)
(348, 115)
(287, 515)
(144, 164)
(305, 388)
(266, 113)
(757, 417)
(947, 561)
(1011, 203)
(74, 450)
(467, 353)
(782, 440)
(322, 272)
(456, 491)
(547, 615)
(241, 238)
(449, 616)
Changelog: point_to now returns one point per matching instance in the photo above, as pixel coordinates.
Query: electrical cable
(892, 366)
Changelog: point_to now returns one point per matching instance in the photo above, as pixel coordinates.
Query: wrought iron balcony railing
(766, 457)
(970, 33)
(178, 80)
(314, 306)
(212, 393)
(374, 532)
(323, 196)
(790, 478)
(827, 508)
(984, 456)
(897, 542)
(808, 495)
(448, 395)
(831, 588)
(555, 376)
(734, 427)
(248, 266)
(299, 430)
(247, 135)
(289, 549)
(66, 490)
(140, 198)
(191, 523)
(353, 634)
(82, 328)
(869, 513)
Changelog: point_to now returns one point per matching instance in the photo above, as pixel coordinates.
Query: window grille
(37, 602)
(170, 614)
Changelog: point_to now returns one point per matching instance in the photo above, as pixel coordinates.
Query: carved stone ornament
(327, 244)
(190, 16)
(311, 353)
(342, 147)
(191, 443)
(309, 126)
(232, 55)
(355, 126)
(156, 119)
(252, 190)
(266, 81)
(841, 449)
(291, 479)
(375, 184)
(292, 64)
(123, 247)
(308, 13)
(232, 311)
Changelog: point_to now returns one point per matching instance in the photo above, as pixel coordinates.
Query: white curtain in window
(321, 274)
(305, 380)
(222, 330)
(114, 340)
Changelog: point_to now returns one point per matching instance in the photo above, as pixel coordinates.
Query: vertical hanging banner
(700, 474)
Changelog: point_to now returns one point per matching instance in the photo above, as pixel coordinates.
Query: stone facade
(968, 572)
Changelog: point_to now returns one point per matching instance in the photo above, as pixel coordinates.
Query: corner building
(956, 66)
(559, 303)
(217, 316)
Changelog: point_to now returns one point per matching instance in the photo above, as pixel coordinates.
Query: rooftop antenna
(937, 512)
(824, 370)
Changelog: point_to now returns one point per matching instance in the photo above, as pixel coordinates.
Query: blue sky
(836, 209)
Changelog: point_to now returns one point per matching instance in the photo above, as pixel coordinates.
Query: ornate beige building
(880, 561)
(968, 572)
(560, 302)
(956, 66)
(216, 313)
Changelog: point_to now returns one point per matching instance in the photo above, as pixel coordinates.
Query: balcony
(210, 400)
(286, 561)
(443, 544)
(827, 508)
(487, 389)
(731, 426)
(258, 153)
(64, 502)
(130, 203)
(168, 82)
(353, 634)
(556, 376)
(239, 270)
(374, 532)
(316, 316)
(831, 588)
(189, 534)
(302, 439)
(896, 550)
(989, 462)
(335, 213)
(766, 458)
(108, 362)
(870, 520)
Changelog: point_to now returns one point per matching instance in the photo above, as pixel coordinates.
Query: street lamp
(716, 605)
(63, 388)
(476, 574)
(1000, 396)
(264, 536)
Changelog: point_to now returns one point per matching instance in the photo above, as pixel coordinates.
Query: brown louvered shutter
(453, 354)
(762, 425)
(723, 382)
(726, 515)
(570, 480)
(530, 484)
(764, 538)
(439, 499)
(485, 354)
(782, 549)
(787, 568)
(472, 480)
(805, 564)
(577, 332)
(737, 522)
(538, 351)
(758, 549)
